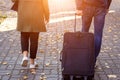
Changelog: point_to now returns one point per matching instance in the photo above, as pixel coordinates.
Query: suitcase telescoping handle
(78, 33)
(75, 22)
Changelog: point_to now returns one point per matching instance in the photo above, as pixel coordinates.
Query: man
(96, 9)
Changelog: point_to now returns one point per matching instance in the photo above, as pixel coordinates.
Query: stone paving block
(116, 70)
(1, 58)
(5, 77)
(10, 67)
(14, 79)
(7, 58)
(96, 77)
(52, 76)
(47, 71)
(5, 72)
(37, 77)
(11, 62)
(103, 77)
(3, 67)
(14, 58)
(108, 71)
(54, 72)
(0, 77)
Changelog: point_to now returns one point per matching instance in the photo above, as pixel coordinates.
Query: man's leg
(87, 18)
(99, 20)
(88, 13)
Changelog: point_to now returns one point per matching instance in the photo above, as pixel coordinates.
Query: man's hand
(107, 11)
(79, 12)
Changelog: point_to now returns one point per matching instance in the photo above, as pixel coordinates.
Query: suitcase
(77, 55)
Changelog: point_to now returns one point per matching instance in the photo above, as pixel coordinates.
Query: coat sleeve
(15, 5)
(109, 2)
(46, 9)
(79, 4)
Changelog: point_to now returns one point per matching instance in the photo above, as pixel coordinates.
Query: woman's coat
(32, 15)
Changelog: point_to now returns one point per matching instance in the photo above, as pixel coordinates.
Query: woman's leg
(33, 50)
(24, 46)
(33, 44)
(25, 43)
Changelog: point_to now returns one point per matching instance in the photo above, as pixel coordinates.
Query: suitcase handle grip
(78, 35)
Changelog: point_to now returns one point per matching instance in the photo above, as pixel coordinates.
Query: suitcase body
(77, 56)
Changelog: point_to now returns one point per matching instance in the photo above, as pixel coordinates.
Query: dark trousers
(30, 38)
(98, 14)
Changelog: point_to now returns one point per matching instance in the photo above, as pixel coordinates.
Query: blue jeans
(98, 14)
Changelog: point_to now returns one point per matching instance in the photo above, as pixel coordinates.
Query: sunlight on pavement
(111, 11)
(70, 16)
(63, 19)
(8, 24)
(112, 76)
(11, 23)
(61, 13)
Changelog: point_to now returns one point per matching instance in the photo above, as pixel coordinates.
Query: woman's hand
(46, 20)
(13, 0)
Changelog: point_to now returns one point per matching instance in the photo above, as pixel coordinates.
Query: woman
(32, 17)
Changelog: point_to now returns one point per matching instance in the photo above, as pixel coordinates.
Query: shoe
(96, 67)
(33, 68)
(24, 62)
(36, 64)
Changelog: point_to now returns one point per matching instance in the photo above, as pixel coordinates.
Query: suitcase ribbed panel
(78, 56)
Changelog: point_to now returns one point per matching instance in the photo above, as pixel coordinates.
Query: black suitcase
(77, 55)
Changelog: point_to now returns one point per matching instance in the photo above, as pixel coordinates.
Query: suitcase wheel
(66, 77)
(83, 78)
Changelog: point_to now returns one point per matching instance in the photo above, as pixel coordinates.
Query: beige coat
(32, 15)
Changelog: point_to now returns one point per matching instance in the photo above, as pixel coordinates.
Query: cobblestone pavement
(50, 44)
